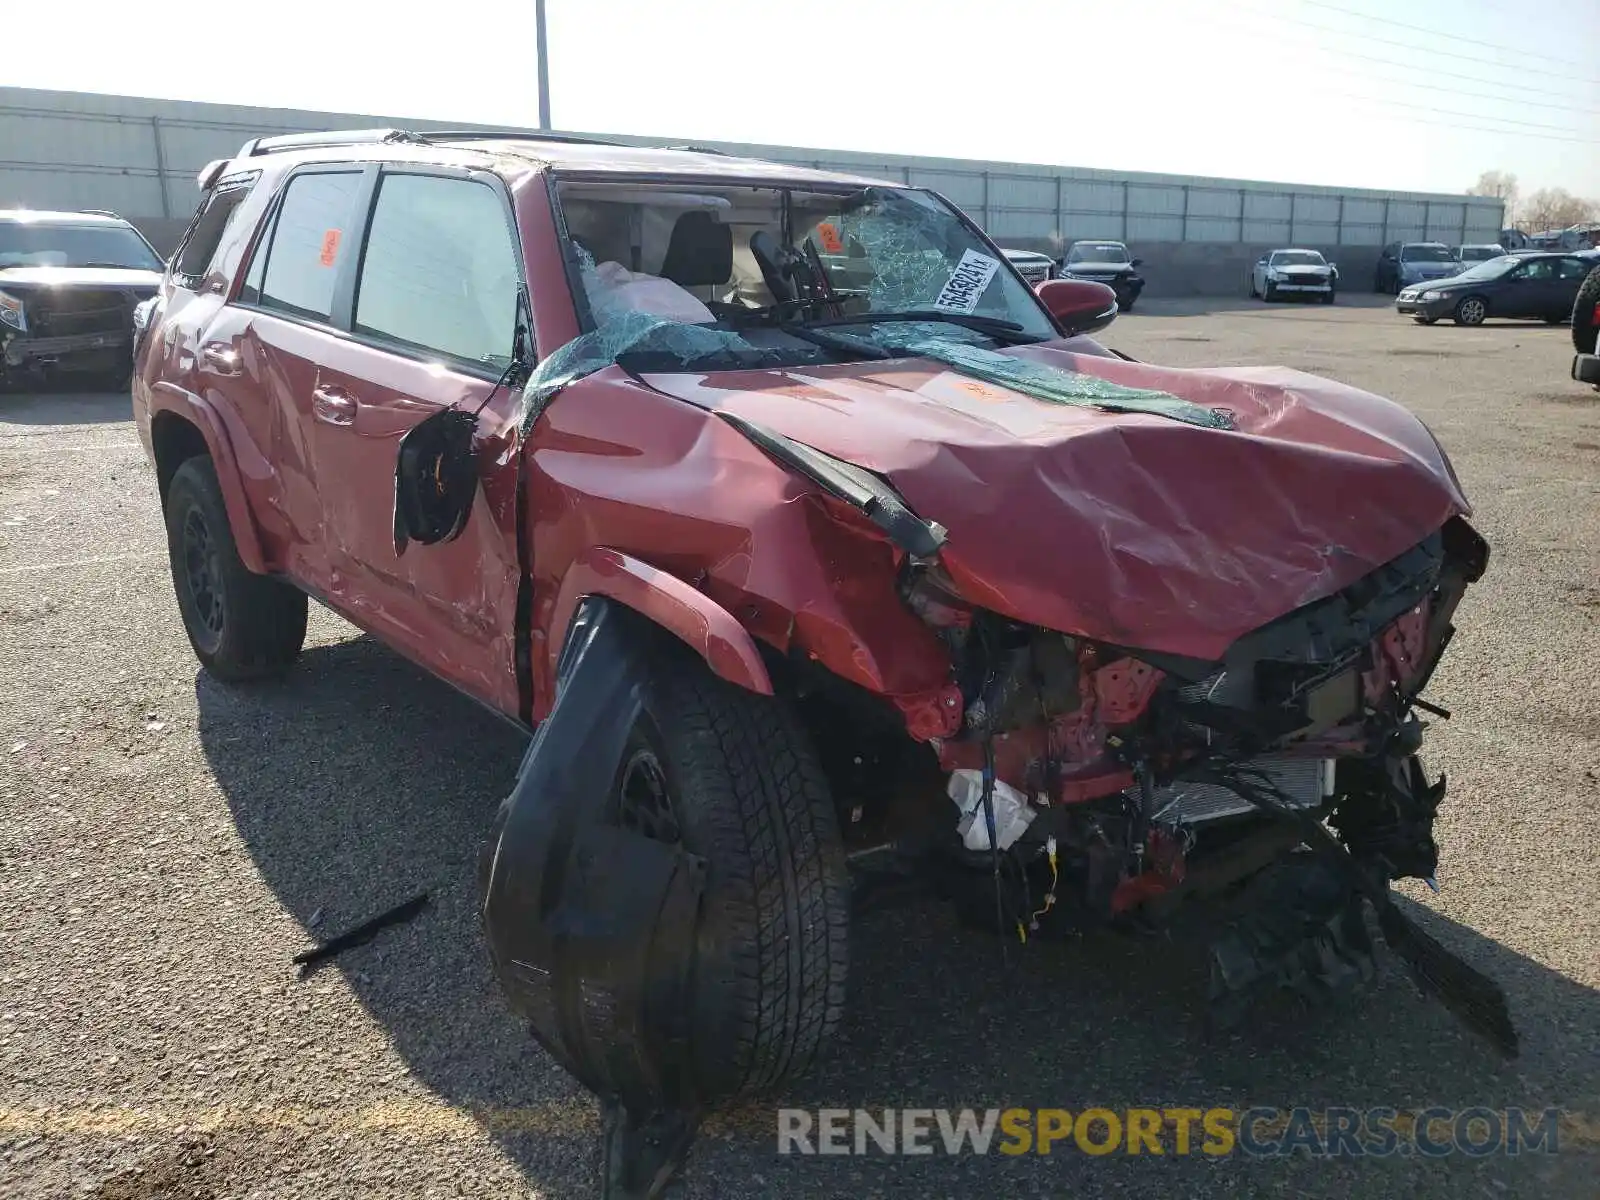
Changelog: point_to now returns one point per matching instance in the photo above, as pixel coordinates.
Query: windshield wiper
(996, 327)
(122, 266)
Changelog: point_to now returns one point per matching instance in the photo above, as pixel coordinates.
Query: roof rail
(508, 135)
(314, 141)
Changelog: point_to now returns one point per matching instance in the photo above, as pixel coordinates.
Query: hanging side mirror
(1078, 306)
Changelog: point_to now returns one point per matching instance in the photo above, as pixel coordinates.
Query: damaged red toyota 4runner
(823, 556)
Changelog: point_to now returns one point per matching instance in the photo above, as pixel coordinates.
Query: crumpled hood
(99, 277)
(1134, 529)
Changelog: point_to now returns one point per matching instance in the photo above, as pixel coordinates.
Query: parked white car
(1294, 273)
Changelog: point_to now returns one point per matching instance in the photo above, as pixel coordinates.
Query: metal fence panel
(140, 157)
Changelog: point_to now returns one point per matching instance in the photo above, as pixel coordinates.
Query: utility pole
(544, 64)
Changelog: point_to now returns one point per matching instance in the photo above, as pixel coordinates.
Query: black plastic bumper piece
(1586, 368)
(591, 928)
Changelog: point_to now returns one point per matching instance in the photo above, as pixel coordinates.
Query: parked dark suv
(69, 283)
(817, 551)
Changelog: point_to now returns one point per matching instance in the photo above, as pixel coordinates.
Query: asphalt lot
(167, 844)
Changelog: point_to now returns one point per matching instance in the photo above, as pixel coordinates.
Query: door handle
(333, 405)
(223, 360)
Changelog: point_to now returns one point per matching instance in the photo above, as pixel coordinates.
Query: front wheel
(733, 778)
(1268, 292)
(1327, 297)
(1471, 311)
(241, 625)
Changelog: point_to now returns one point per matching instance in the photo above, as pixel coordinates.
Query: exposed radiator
(1305, 781)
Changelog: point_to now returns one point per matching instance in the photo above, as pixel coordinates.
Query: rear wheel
(1471, 311)
(241, 625)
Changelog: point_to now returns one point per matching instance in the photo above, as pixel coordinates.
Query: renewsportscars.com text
(1258, 1132)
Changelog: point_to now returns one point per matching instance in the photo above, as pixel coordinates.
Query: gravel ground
(167, 844)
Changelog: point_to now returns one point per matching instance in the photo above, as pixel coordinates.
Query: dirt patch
(188, 1171)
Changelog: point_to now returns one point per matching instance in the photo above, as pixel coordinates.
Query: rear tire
(740, 785)
(241, 625)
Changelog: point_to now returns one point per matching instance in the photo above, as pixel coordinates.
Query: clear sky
(1419, 94)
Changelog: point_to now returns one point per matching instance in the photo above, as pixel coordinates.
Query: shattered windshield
(695, 277)
(723, 277)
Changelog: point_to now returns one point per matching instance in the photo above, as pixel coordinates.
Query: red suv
(822, 553)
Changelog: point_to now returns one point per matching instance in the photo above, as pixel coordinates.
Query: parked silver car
(1035, 268)
(1304, 273)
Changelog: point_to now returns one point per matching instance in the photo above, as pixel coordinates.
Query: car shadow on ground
(60, 403)
(360, 780)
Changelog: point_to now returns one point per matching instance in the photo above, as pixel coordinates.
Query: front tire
(733, 778)
(241, 625)
(1268, 292)
(1328, 296)
(1471, 311)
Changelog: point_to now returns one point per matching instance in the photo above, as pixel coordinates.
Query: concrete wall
(1198, 235)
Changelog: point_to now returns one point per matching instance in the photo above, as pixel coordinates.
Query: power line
(1455, 91)
(1414, 48)
(1390, 62)
(1438, 33)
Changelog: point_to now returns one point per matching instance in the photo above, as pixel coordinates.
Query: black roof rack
(422, 137)
(512, 135)
(317, 140)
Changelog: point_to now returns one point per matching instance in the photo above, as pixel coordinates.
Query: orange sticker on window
(832, 243)
(330, 246)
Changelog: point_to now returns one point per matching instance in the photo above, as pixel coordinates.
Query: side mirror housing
(1138, 262)
(1078, 306)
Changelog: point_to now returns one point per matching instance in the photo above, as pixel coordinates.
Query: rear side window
(439, 272)
(296, 264)
(1575, 268)
(194, 256)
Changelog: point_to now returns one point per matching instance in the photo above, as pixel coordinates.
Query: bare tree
(1502, 185)
(1556, 208)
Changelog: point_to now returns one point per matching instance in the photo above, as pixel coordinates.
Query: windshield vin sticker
(967, 282)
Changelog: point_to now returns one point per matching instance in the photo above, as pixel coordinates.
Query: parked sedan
(1294, 273)
(1471, 256)
(1536, 287)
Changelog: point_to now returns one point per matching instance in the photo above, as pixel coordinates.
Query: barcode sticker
(967, 283)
